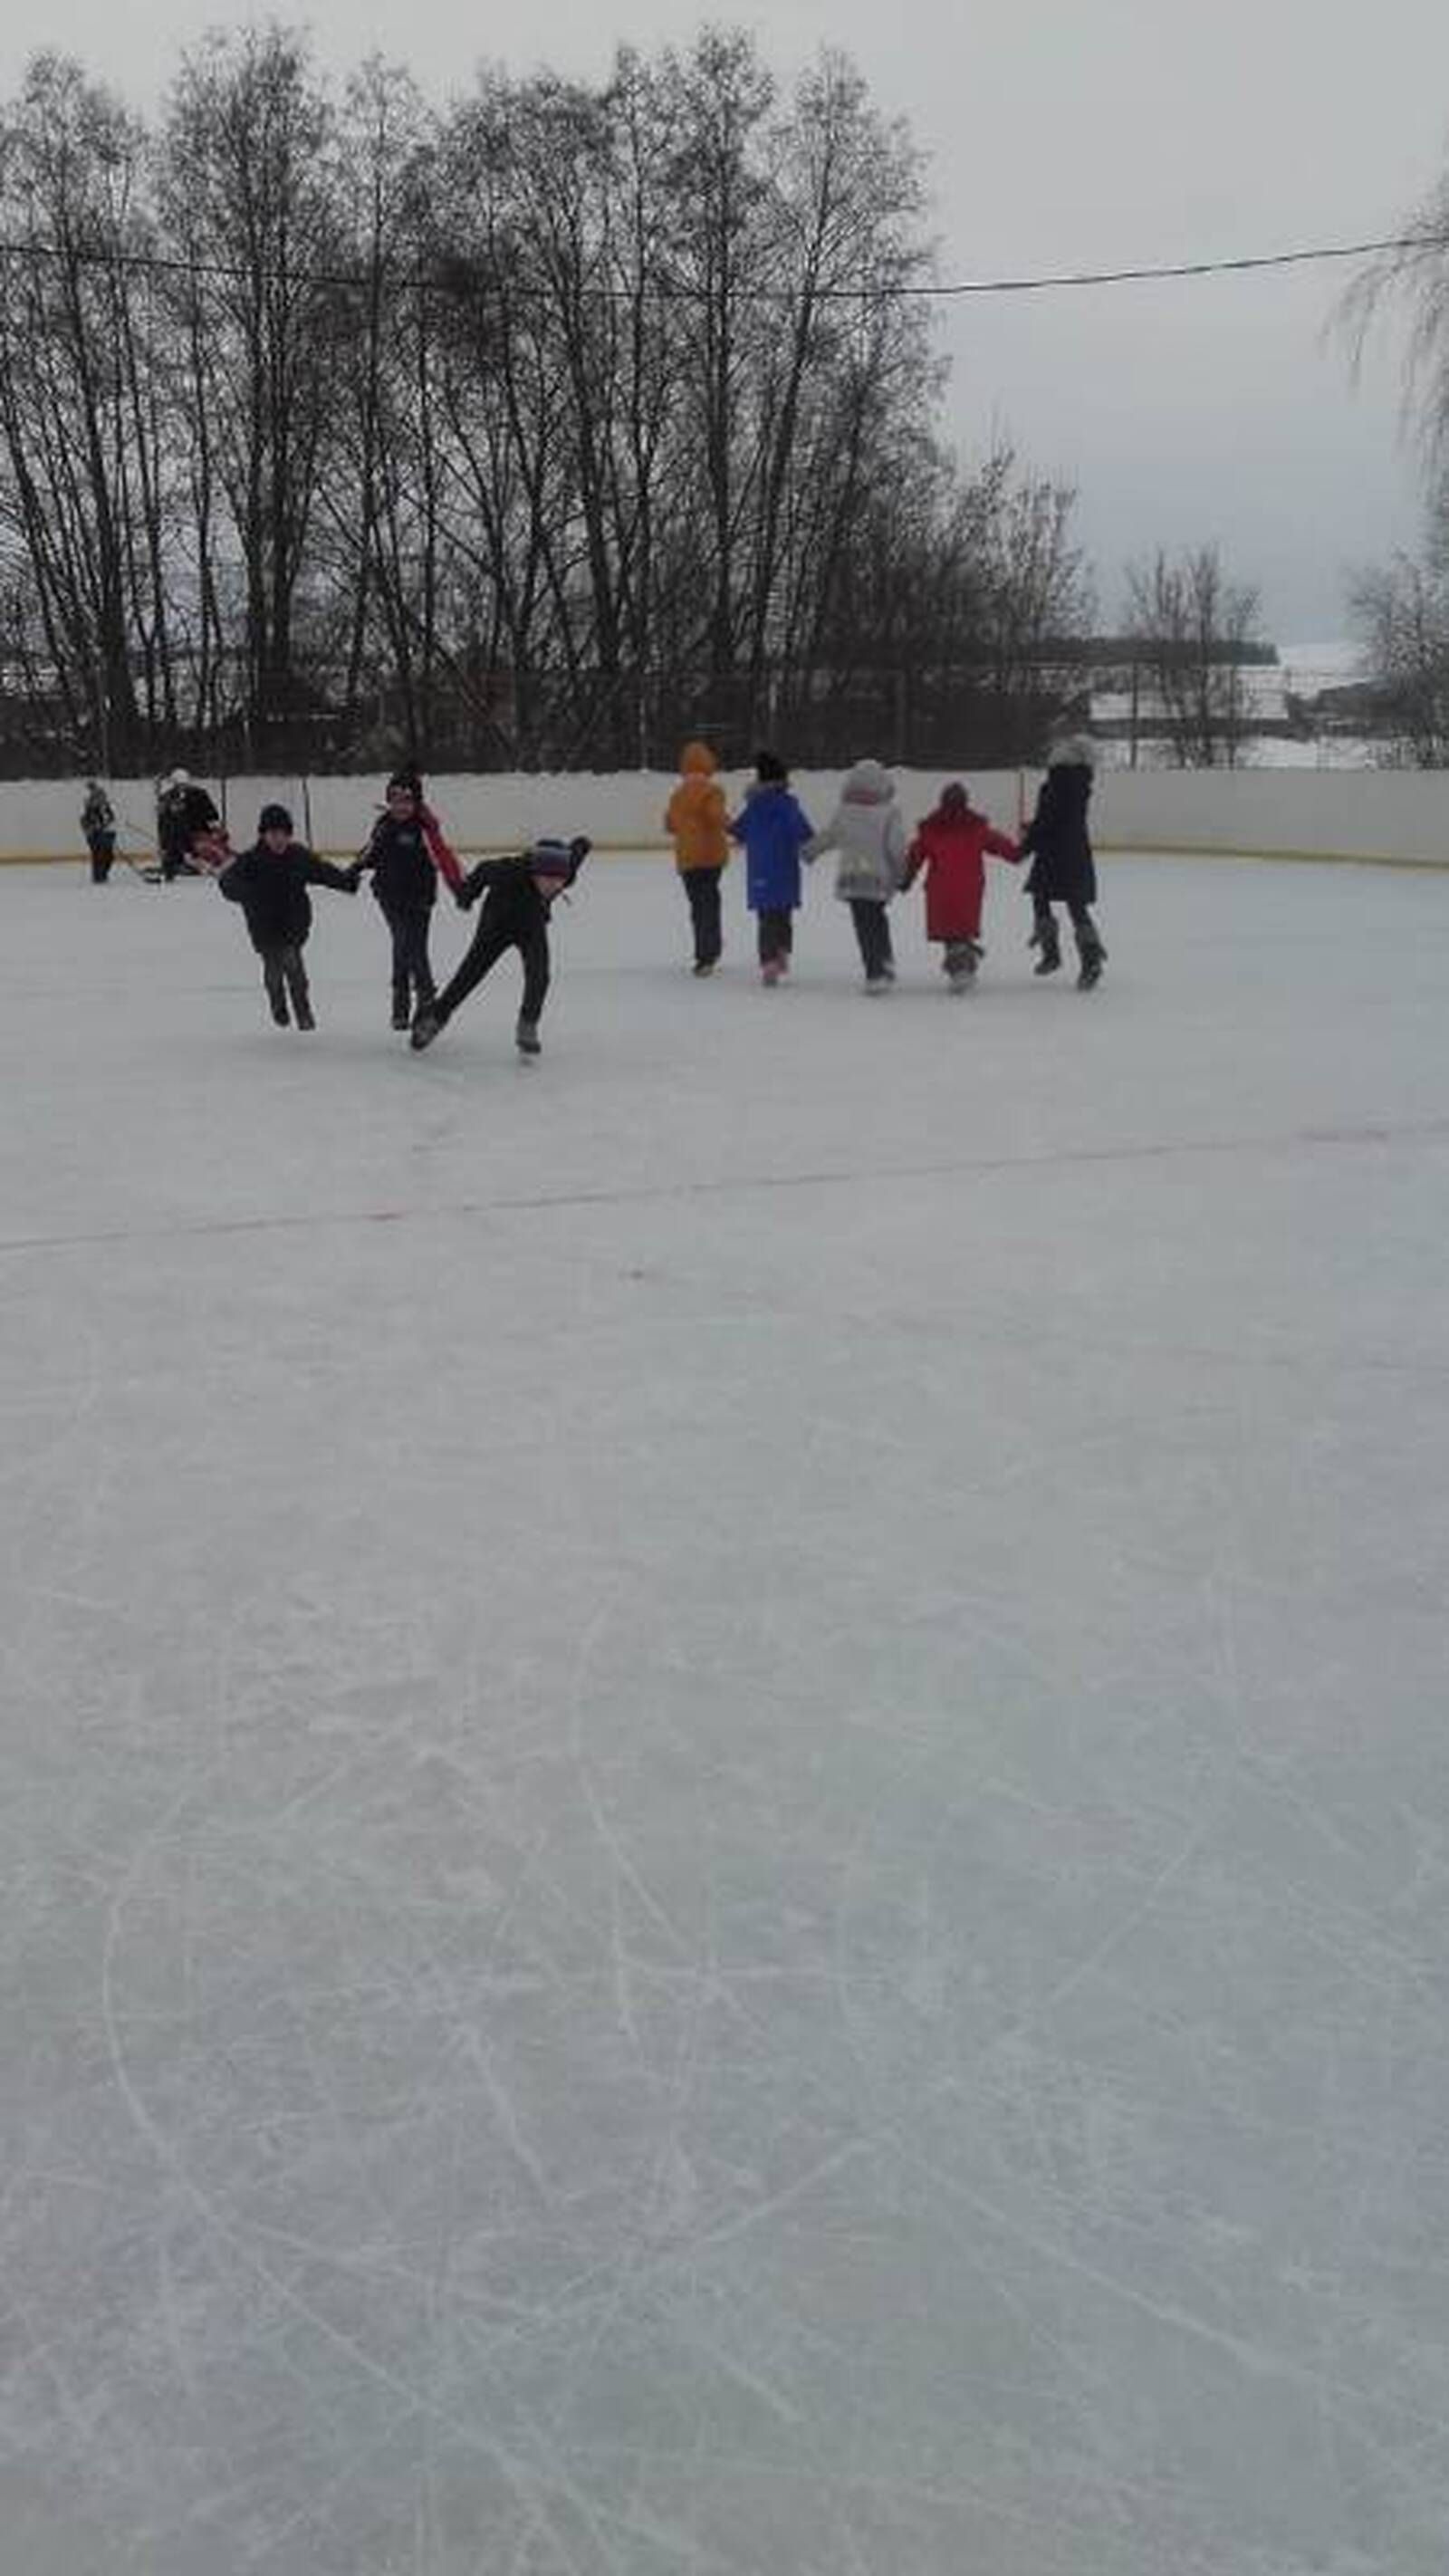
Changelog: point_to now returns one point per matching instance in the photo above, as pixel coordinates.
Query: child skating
(952, 845)
(695, 822)
(406, 855)
(520, 894)
(1063, 869)
(773, 832)
(270, 882)
(867, 831)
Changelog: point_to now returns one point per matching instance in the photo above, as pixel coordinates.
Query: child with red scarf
(406, 855)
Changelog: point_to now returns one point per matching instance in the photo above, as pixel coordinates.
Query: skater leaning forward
(1061, 852)
(406, 855)
(867, 831)
(773, 833)
(186, 816)
(952, 846)
(270, 883)
(520, 894)
(695, 822)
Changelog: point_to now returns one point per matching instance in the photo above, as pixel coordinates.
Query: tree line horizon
(544, 428)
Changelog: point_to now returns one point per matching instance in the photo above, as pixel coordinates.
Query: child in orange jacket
(951, 845)
(695, 821)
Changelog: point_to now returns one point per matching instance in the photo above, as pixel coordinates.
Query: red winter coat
(951, 846)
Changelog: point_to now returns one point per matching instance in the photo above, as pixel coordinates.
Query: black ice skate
(525, 1038)
(1093, 958)
(426, 1027)
(1045, 938)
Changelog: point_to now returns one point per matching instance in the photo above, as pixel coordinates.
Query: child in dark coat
(773, 832)
(521, 893)
(951, 845)
(270, 883)
(406, 855)
(1063, 870)
(98, 822)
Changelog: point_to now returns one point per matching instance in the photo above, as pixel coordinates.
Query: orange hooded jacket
(695, 819)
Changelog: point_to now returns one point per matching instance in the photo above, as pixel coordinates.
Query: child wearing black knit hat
(521, 893)
(407, 853)
(270, 883)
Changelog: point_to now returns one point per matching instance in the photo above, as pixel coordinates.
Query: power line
(666, 290)
(1319, 254)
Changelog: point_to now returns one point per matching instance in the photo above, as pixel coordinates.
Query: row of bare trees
(535, 429)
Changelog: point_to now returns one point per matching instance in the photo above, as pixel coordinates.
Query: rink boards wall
(1392, 818)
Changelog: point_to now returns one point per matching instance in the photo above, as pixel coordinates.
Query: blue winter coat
(773, 832)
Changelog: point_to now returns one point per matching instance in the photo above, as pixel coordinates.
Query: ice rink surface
(724, 1793)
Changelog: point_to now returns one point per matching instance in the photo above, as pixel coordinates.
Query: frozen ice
(723, 1789)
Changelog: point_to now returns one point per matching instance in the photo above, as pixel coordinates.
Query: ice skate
(1093, 958)
(304, 1016)
(877, 984)
(425, 1028)
(1045, 938)
(771, 971)
(704, 966)
(401, 1016)
(525, 1038)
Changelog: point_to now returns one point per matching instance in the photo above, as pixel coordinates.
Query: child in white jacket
(867, 831)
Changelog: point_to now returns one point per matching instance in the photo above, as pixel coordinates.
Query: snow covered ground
(723, 1789)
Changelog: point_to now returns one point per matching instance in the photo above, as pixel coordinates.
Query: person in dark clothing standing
(184, 814)
(1063, 869)
(98, 823)
(521, 893)
(270, 883)
(406, 855)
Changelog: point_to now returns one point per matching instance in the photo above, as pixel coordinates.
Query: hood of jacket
(1072, 751)
(868, 783)
(697, 761)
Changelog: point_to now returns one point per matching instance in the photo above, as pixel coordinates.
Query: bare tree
(1401, 615)
(1193, 627)
(249, 193)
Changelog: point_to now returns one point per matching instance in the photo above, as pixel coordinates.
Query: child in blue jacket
(772, 831)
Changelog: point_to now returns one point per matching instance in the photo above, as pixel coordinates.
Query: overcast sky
(1062, 135)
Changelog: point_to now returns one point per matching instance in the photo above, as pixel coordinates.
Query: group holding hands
(407, 855)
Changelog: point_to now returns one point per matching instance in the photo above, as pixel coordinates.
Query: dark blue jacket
(773, 832)
(271, 887)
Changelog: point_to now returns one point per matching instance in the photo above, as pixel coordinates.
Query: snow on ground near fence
(722, 1788)
(1359, 813)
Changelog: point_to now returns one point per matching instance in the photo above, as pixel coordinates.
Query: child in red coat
(951, 846)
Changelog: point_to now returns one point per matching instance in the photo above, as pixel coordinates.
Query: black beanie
(274, 818)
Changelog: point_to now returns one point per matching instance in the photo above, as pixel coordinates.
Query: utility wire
(453, 278)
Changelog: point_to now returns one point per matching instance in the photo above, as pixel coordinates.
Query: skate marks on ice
(1407, 1134)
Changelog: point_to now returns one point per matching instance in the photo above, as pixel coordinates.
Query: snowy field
(724, 1793)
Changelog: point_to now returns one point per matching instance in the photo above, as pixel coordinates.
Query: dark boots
(1045, 940)
(1091, 954)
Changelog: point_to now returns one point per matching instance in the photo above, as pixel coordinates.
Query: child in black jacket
(407, 854)
(270, 883)
(521, 893)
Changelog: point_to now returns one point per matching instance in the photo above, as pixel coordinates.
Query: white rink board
(1402, 817)
(723, 1806)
